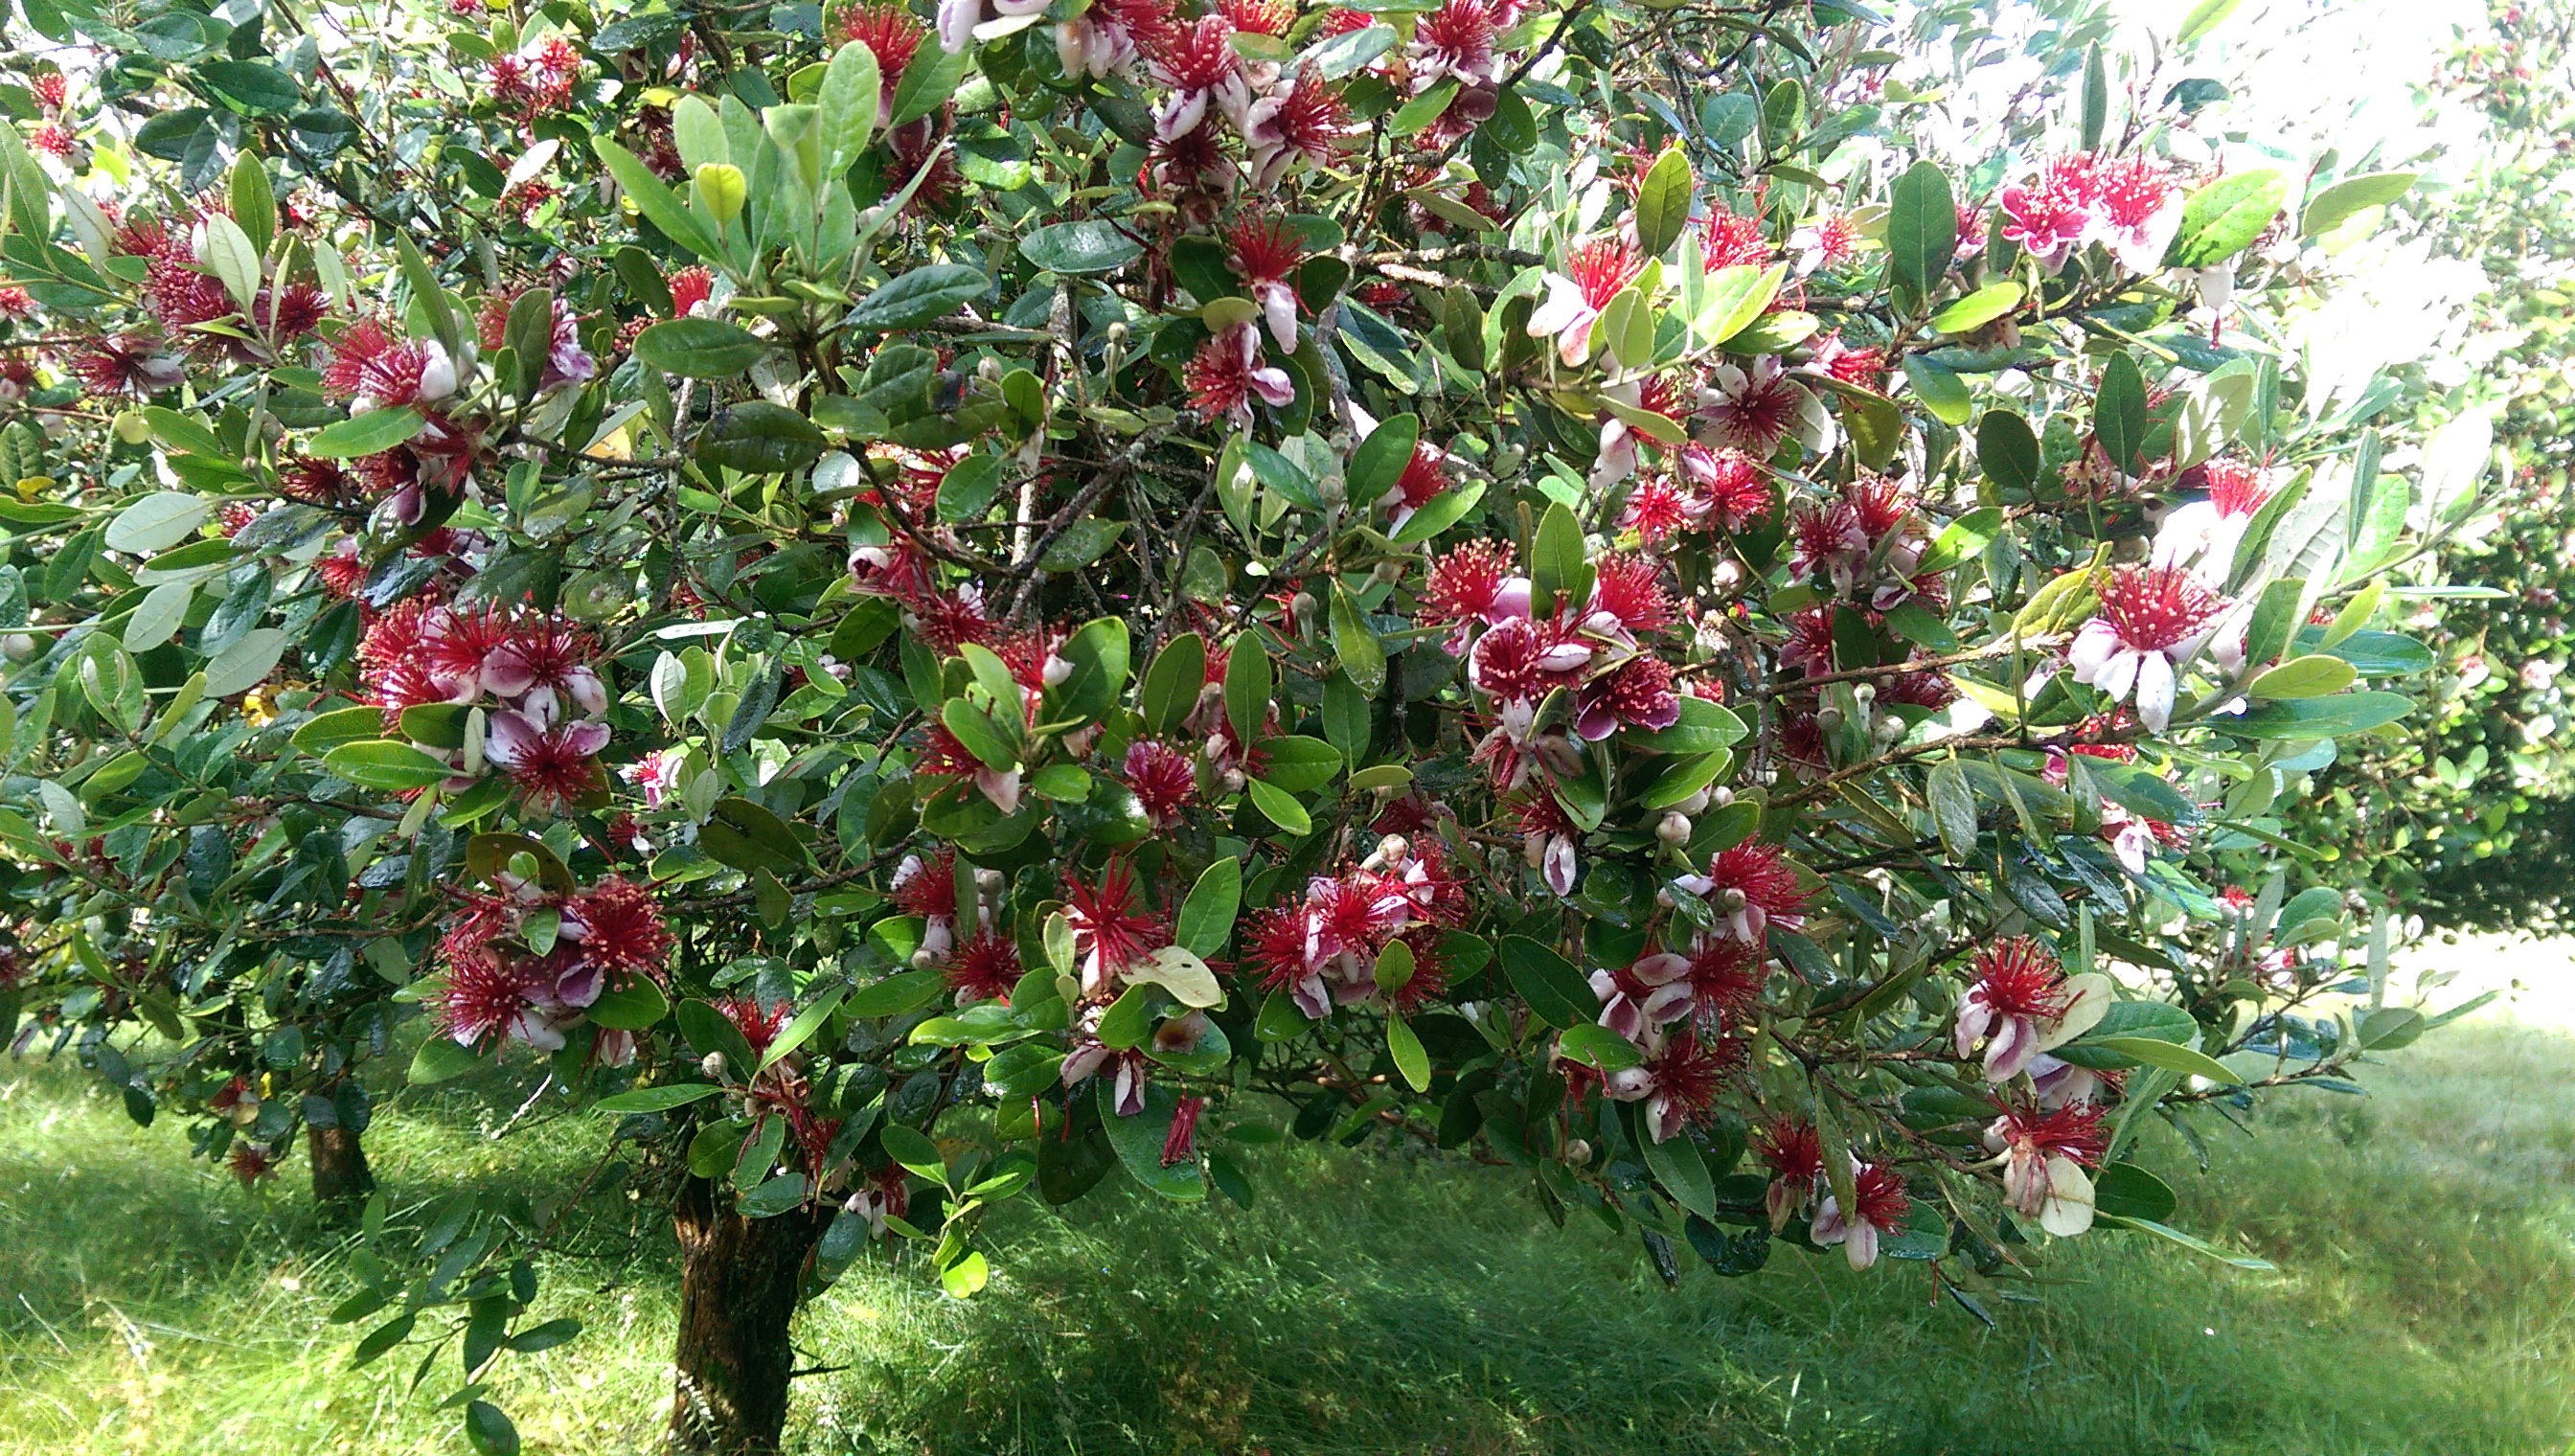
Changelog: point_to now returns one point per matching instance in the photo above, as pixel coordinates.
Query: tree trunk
(739, 1279)
(340, 1169)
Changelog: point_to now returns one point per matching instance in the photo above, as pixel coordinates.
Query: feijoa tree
(926, 608)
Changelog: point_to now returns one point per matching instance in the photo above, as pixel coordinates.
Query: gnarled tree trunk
(340, 1170)
(739, 1282)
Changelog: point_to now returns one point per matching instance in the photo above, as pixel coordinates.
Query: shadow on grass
(1374, 1302)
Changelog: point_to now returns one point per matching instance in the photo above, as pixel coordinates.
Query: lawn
(1376, 1303)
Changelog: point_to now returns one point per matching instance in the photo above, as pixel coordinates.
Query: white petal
(2155, 691)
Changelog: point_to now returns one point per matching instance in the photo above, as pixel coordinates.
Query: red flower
(2018, 976)
(689, 287)
(621, 929)
(53, 139)
(1656, 510)
(887, 31)
(758, 1024)
(2154, 609)
(1601, 267)
(126, 364)
(927, 887)
(1260, 17)
(1736, 493)
(1467, 584)
(1726, 977)
(1274, 946)
(1422, 479)
(1264, 249)
(1163, 779)
(984, 967)
(1108, 932)
(1196, 56)
(16, 302)
(50, 88)
(1629, 589)
(1311, 118)
(1755, 886)
(1732, 242)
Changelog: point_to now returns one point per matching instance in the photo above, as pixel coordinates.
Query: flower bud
(712, 1065)
(1578, 1152)
(1674, 829)
(1828, 719)
(1390, 571)
(1307, 609)
(1697, 804)
(923, 959)
(721, 188)
(131, 428)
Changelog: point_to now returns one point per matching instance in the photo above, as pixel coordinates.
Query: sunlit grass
(1374, 1302)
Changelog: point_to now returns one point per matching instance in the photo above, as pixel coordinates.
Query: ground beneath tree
(1383, 1303)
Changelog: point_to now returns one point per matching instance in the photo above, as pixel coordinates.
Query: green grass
(1375, 1302)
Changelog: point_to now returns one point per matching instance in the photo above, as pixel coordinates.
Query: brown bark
(340, 1171)
(739, 1279)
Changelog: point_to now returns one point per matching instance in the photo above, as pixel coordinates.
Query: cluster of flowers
(524, 966)
(2130, 204)
(1326, 949)
(537, 79)
(533, 671)
(2155, 618)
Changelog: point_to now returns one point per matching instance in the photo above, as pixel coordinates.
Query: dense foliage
(926, 608)
(2465, 816)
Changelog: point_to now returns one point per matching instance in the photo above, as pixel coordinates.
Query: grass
(1375, 1302)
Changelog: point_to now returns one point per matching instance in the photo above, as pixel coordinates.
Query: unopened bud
(1828, 719)
(923, 959)
(721, 188)
(1674, 829)
(131, 428)
(1305, 608)
(1390, 571)
(1720, 796)
(989, 881)
(1697, 804)
(18, 646)
(1578, 1152)
(712, 1065)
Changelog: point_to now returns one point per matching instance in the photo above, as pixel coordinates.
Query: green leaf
(2205, 17)
(2171, 1057)
(1410, 1058)
(928, 83)
(1206, 916)
(1139, 1142)
(2223, 218)
(1247, 686)
(1362, 657)
(340, 725)
(156, 523)
(1082, 544)
(748, 838)
(2318, 718)
(636, 1006)
(1734, 297)
(1597, 1046)
(914, 1150)
(440, 1059)
(1921, 229)
(759, 438)
(699, 348)
(1422, 109)
(2335, 205)
(252, 86)
(852, 91)
(1297, 763)
(918, 297)
(2007, 451)
(657, 1100)
(801, 1029)
(2097, 97)
(965, 490)
(1090, 246)
(372, 433)
(1976, 310)
(1684, 1174)
(1444, 510)
(488, 1430)
(1664, 203)
(2309, 677)
(1940, 390)
(2119, 413)
(895, 995)
(386, 765)
(1173, 682)
(2191, 1242)
(660, 206)
(1962, 538)
(1099, 654)
(1556, 565)
(1703, 727)
(1554, 991)
(2124, 1191)
(1378, 463)
(1280, 809)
